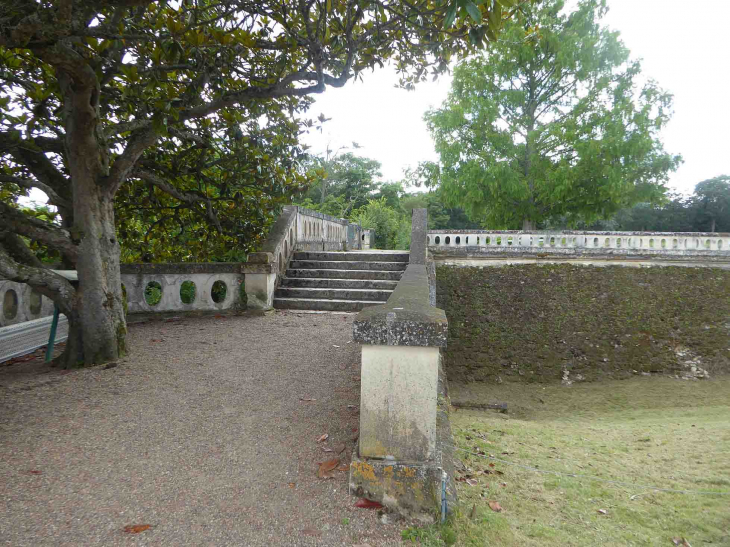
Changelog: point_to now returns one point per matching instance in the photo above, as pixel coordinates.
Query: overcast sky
(684, 47)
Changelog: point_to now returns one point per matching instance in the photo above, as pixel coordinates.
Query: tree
(341, 182)
(550, 122)
(713, 203)
(89, 88)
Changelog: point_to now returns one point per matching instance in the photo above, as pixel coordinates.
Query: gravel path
(199, 433)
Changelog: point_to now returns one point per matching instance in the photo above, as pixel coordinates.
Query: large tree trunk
(99, 300)
(97, 320)
(527, 225)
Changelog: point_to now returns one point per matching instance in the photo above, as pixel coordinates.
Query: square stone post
(260, 272)
(399, 460)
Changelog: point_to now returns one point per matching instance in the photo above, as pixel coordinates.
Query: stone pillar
(260, 271)
(399, 461)
(419, 231)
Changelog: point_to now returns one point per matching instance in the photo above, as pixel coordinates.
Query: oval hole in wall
(428, 240)
(187, 292)
(509, 241)
(707, 244)
(552, 242)
(218, 291)
(651, 243)
(607, 243)
(618, 242)
(487, 241)
(675, 243)
(447, 240)
(458, 240)
(664, 243)
(437, 240)
(595, 242)
(499, 240)
(153, 293)
(10, 304)
(719, 244)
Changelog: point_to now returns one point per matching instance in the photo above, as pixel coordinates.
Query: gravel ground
(200, 433)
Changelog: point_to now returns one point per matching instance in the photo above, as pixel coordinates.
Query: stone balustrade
(296, 229)
(20, 303)
(475, 243)
(182, 287)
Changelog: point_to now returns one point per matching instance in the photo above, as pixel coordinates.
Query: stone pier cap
(407, 319)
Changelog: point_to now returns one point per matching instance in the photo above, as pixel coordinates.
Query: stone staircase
(339, 281)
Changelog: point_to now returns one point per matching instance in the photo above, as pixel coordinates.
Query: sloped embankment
(532, 323)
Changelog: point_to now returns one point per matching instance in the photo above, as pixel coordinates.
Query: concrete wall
(136, 277)
(658, 245)
(20, 303)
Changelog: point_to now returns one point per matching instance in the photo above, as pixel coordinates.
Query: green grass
(645, 431)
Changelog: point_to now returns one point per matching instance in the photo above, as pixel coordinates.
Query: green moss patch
(531, 323)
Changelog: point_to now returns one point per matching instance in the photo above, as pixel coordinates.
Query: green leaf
(450, 15)
(473, 11)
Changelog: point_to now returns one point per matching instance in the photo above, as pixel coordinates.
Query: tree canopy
(550, 121)
(189, 111)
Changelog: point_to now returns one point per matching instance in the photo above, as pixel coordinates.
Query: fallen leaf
(343, 467)
(34, 472)
(495, 506)
(136, 528)
(311, 532)
(472, 482)
(335, 346)
(602, 512)
(342, 366)
(473, 512)
(491, 464)
(292, 485)
(219, 316)
(326, 449)
(323, 438)
(326, 467)
(364, 503)
(681, 542)
(306, 400)
(340, 448)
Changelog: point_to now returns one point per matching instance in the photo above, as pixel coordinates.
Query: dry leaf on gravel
(306, 400)
(325, 468)
(292, 485)
(681, 542)
(326, 449)
(602, 512)
(340, 448)
(495, 506)
(343, 467)
(311, 532)
(323, 438)
(364, 503)
(34, 472)
(136, 528)
(472, 482)
(335, 346)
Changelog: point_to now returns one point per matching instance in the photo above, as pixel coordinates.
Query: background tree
(88, 88)
(713, 203)
(550, 122)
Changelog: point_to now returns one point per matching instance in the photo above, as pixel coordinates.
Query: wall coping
(315, 214)
(191, 268)
(407, 319)
(579, 232)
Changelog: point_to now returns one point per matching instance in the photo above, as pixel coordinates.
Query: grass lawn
(662, 432)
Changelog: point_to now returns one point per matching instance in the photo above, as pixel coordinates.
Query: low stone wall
(653, 245)
(210, 280)
(20, 303)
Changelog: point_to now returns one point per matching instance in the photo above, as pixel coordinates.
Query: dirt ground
(206, 432)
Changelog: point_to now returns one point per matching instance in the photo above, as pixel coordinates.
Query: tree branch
(38, 230)
(43, 280)
(53, 197)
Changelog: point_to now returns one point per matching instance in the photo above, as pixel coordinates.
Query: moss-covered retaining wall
(535, 322)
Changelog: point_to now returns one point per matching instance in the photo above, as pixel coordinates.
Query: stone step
(324, 283)
(358, 256)
(347, 265)
(322, 305)
(382, 275)
(332, 294)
